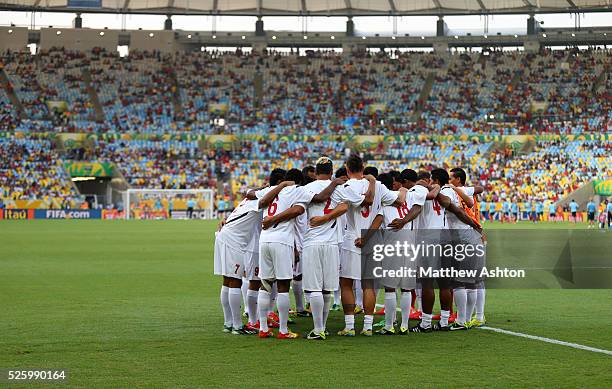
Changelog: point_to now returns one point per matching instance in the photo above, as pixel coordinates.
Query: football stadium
(312, 193)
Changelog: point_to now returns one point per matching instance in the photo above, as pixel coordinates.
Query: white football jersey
(453, 222)
(341, 228)
(328, 232)
(301, 226)
(433, 216)
(241, 225)
(253, 246)
(390, 213)
(360, 218)
(283, 232)
(415, 196)
(468, 190)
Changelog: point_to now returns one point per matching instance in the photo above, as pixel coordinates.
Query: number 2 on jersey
(327, 210)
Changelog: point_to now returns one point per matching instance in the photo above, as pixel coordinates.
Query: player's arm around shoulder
(327, 192)
(467, 199)
(376, 223)
(401, 197)
(368, 198)
(269, 197)
(447, 203)
(288, 214)
(335, 213)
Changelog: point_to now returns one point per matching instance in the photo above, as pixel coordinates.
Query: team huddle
(306, 232)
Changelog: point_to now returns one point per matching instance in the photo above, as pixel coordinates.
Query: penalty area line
(547, 340)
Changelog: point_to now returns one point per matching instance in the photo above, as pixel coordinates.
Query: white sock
(444, 315)
(245, 290)
(282, 304)
(316, 305)
(425, 320)
(235, 299)
(418, 304)
(337, 299)
(471, 303)
(460, 297)
(368, 321)
(326, 305)
(252, 304)
(390, 308)
(358, 294)
(263, 306)
(480, 301)
(349, 322)
(307, 298)
(395, 310)
(273, 295)
(405, 303)
(227, 311)
(298, 294)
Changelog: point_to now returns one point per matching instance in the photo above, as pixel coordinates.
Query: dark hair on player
(341, 172)
(354, 164)
(324, 168)
(460, 173)
(307, 179)
(395, 174)
(307, 169)
(277, 176)
(295, 175)
(371, 170)
(409, 175)
(424, 175)
(386, 179)
(440, 175)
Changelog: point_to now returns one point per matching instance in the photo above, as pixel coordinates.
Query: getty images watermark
(511, 259)
(410, 252)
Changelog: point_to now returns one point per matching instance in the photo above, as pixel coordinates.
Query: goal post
(169, 204)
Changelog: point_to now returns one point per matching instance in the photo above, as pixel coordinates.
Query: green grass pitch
(134, 304)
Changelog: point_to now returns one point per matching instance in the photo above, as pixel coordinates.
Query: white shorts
(321, 268)
(228, 261)
(275, 261)
(350, 264)
(252, 266)
(297, 264)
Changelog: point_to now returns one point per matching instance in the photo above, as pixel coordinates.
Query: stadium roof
(312, 7)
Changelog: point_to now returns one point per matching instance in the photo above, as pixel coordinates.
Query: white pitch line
(548, 340)
(540, 338)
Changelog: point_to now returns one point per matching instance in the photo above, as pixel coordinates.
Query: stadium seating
(298, 99)
(163, 164)
(31, 170)
(8, 113)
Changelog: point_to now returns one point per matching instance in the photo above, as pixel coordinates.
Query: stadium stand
(31, 170)
(313, 105)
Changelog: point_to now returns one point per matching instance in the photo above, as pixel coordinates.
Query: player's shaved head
(277, 176)
(440, 175)
(354, 164)
(386, 179)
(459, 173)
(295, 175)
(371, 170)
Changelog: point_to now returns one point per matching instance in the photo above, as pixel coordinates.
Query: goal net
(169, 203)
